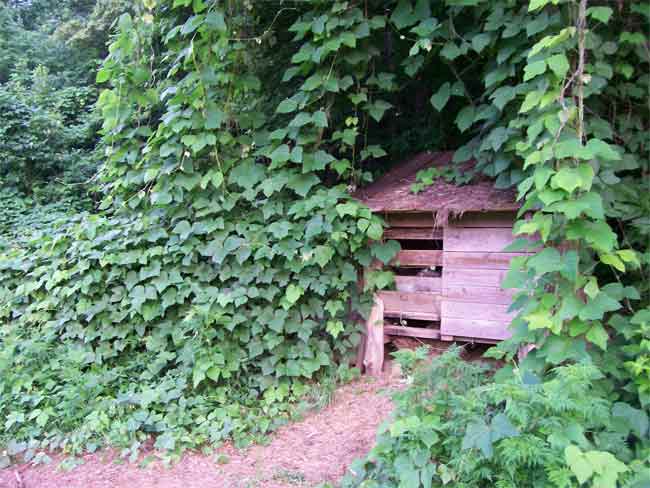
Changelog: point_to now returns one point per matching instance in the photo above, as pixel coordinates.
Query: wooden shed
(448, 274)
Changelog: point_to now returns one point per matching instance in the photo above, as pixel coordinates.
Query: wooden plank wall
(418, 259)
(467, 299)
(418, 306)
(474, 306)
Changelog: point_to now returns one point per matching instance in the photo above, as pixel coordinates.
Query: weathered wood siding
(418, 306)
(466, 299)
(473, 304)
(418, 259)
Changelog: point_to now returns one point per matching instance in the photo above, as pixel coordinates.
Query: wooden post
(374, 354)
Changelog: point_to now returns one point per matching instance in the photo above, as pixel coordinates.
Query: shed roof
(392, 192)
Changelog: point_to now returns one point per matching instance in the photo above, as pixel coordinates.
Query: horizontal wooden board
(405, 219)
(475, 310)
(413, 233)
(420, 306)
(418, 283)
(398, 330)
(477, 240)
(481, 294)
(474, 329)
(420, 259)
(485, 219)
(479, 340)
(478, 260)
(473, 277)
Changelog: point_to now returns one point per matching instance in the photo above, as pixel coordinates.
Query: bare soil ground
(316, 450)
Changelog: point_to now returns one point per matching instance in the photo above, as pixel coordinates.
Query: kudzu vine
(219, 276)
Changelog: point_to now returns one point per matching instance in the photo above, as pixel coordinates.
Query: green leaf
(280, 155)
(559, 64)
(441, 97)
(403, 15)
(570, 308)
(247, 174)
(300, 120)
(183, 228)
(481, 41)
(572, 148)
(287, 106)
(320, 119)
(591, 288)
(166, 440)
(597, 307)
(377, 109)
(602, 14)
(590, 204)
(503, 95)
(191, 24)
(323, 255)
(378, 279)
(465, 118)
(451, 51)
(296, 154)
(293, 293)
(103, 75)
(534, 69)
(537, 4)
(216, 20)
(502, 428)
(598, 335)
(635, 418)
(531, 101)
(318, 161)
(302, 183)
(213, 373)
(348, 208)
(477, 436)
(334, 328)
(613, 260)
(598, 234)
(374, 230)
(546, 261)
(313, 82)
(214, 117)
(601, 149)
(628, 256)
(290, 73)
(571, 178)
(578, 464)
(357, 98)
(386, 251)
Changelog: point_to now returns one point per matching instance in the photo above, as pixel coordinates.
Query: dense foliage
(458, 426)
(214, 287)
(48, 125)
(218, 279)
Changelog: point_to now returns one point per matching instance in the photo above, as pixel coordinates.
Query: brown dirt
(305, 454)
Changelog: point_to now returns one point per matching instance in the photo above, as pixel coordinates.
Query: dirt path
(305, 454)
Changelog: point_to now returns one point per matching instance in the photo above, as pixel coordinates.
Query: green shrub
(458, 427)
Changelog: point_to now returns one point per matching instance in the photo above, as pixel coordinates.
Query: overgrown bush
(456, 426)
(46, 134)
(219, 281)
